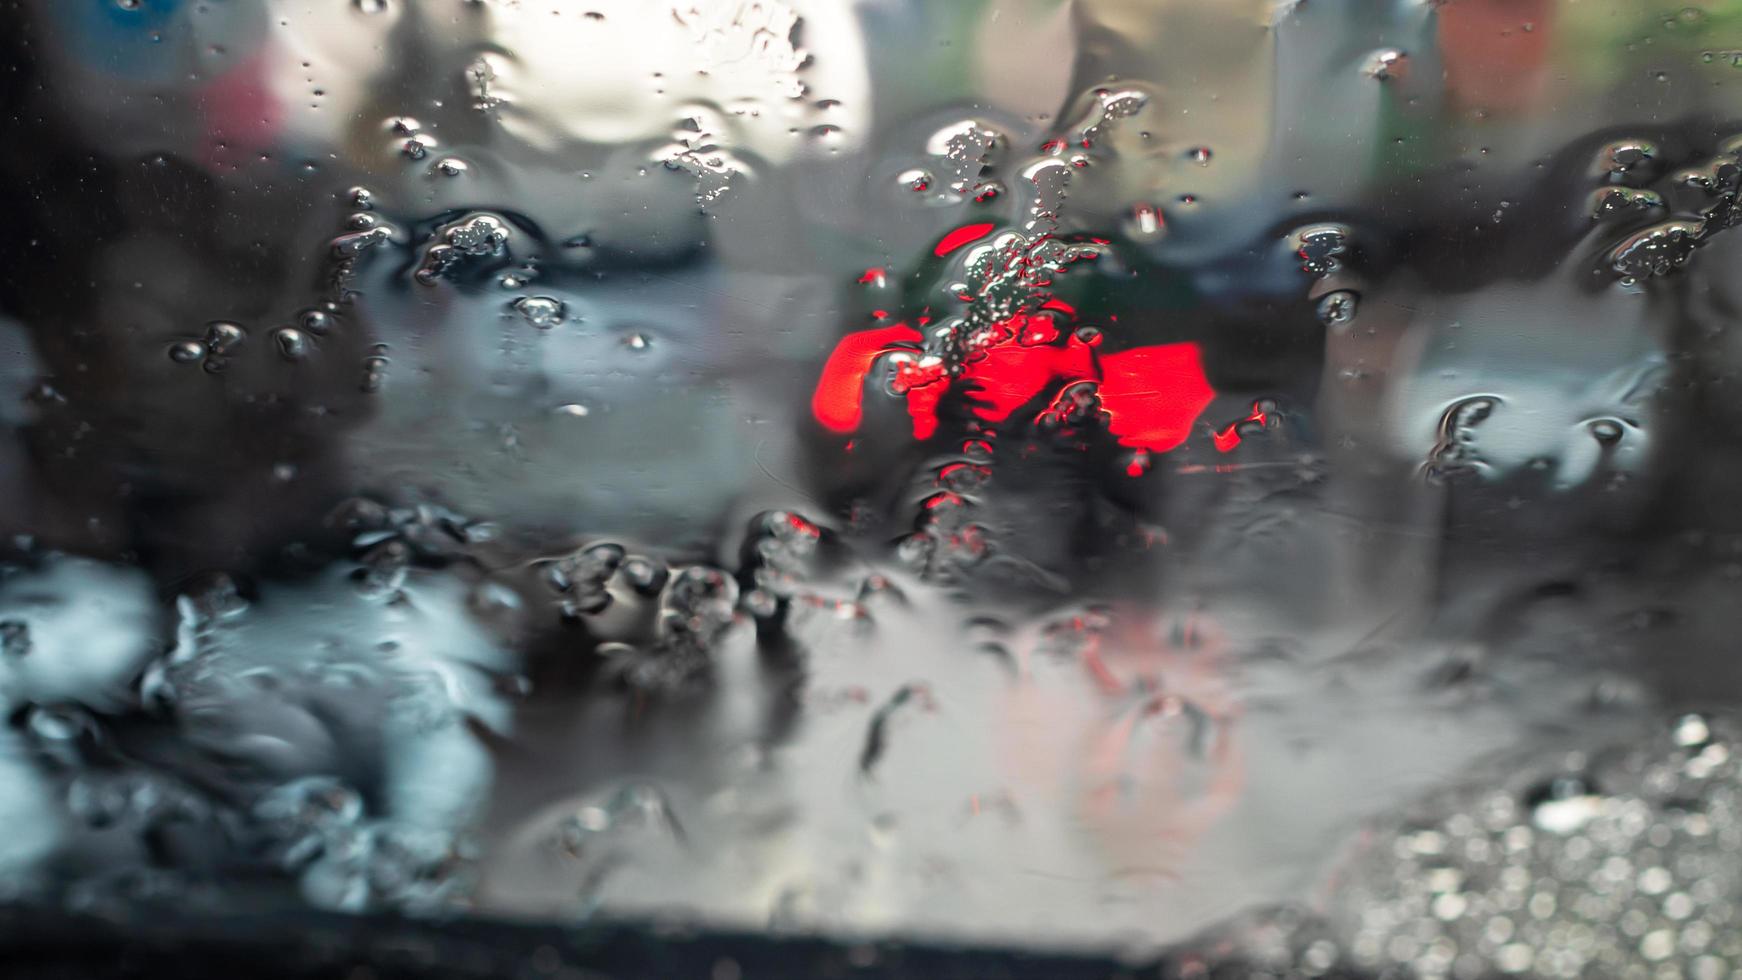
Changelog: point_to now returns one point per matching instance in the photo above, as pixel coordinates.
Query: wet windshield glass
(1234, 476)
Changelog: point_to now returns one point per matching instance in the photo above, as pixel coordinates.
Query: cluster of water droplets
(1706, 193)
(1611, 861)
(329, 720)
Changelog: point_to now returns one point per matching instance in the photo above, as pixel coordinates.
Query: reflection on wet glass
(1238, 477)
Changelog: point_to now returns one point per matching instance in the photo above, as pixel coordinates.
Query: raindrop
(370, 6)
(1387, 64)
(293, 344)
(599, 562)
(1338, 308)
(187, 352)
(222, 338)
(542, 312)
(476, 235)
(374, 373)
(1320, 248)
(1617, 200)
(1625, 158)
(1146, 223)
(1657, 250)
(1564, 805)
(346, 246)
(1691, 731)
(645, 575)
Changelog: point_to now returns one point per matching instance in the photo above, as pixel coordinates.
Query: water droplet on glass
(646, 576)
(1626, 158)
(542, 312)
(1691, 731)
(1623, 200)
(1320, 248)
(1657, 250)
(1564, 805)
(223, 338)
(1199, 155)
(374, 373)
(477, 235)
(915, 180)
(187, 352)
(1146, 223)
(1387, 64)
(293, 344)
(353, 244)
(1606, 431)
(1338, 308)
(370, 6)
